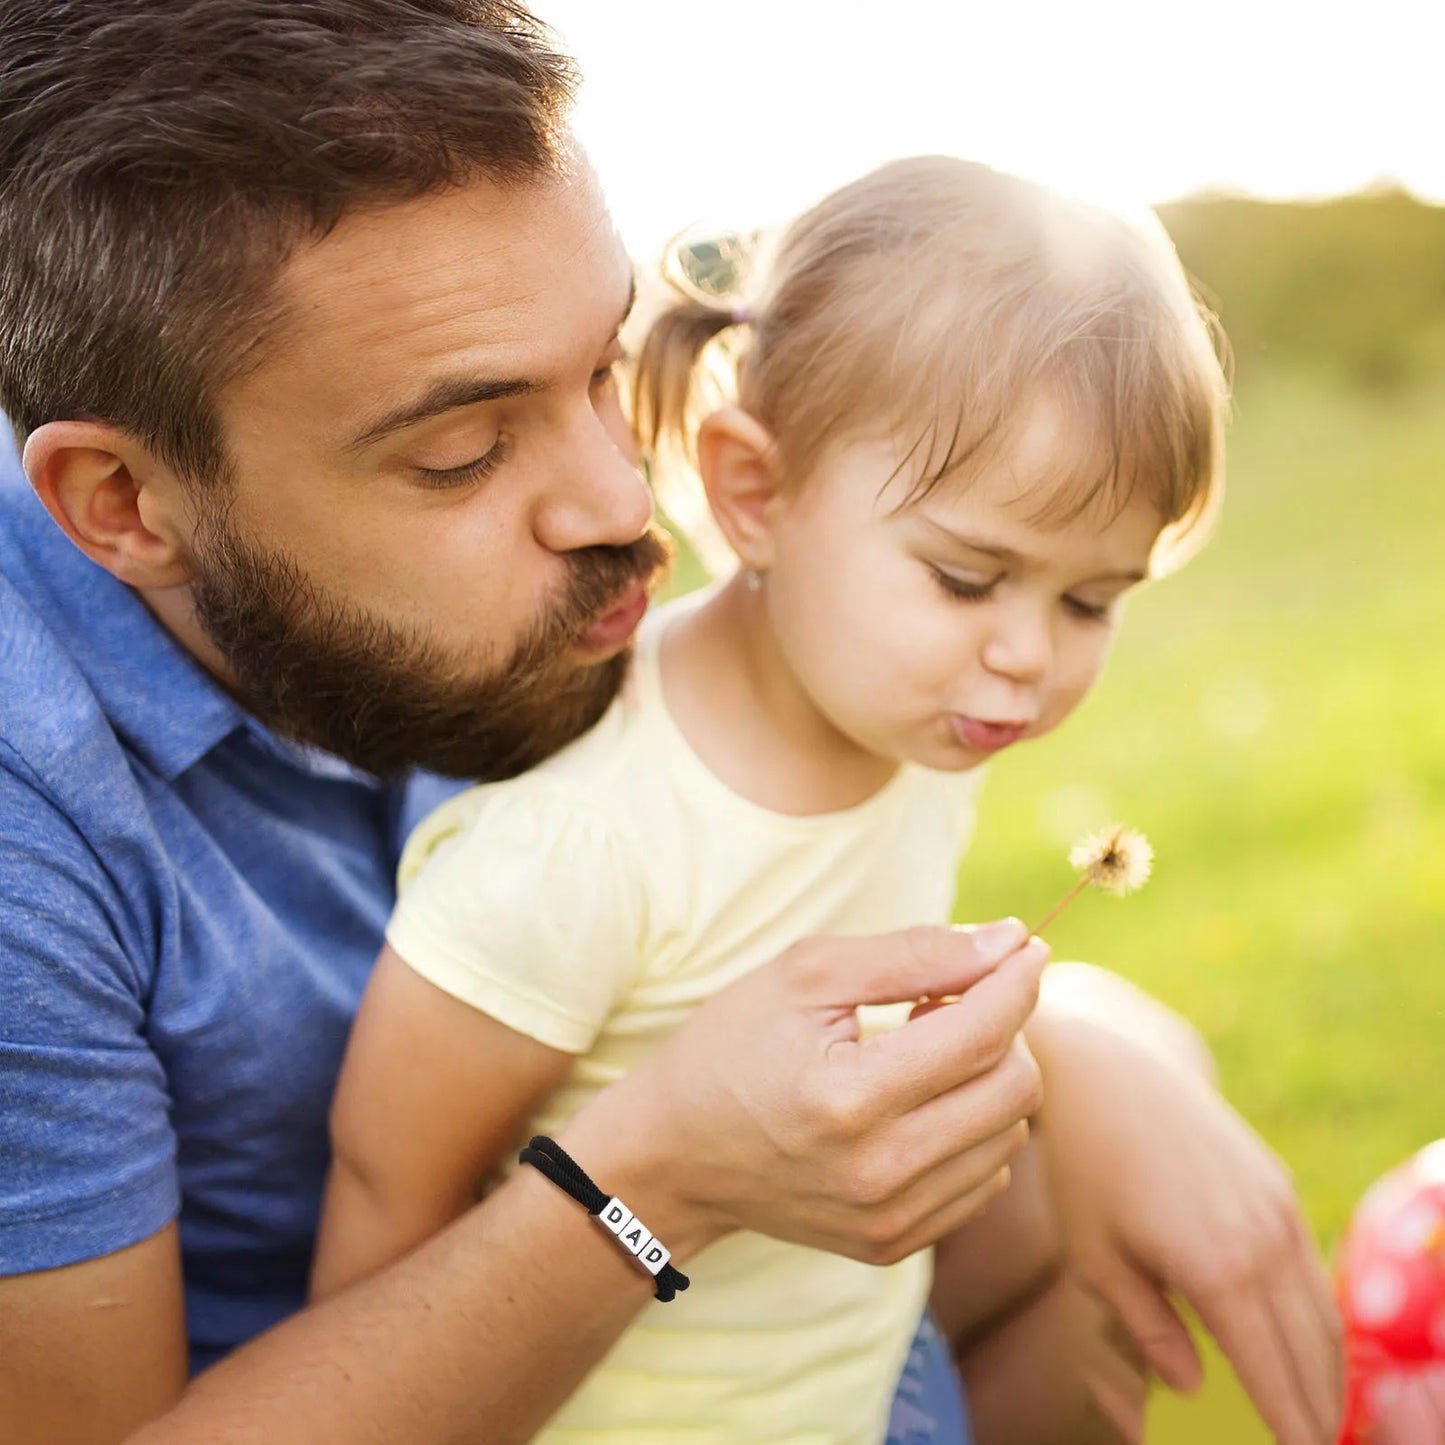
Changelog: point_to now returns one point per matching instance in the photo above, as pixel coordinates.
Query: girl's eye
(468, 472)
(1090, 612)
(961, 589)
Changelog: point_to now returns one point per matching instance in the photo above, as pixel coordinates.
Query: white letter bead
(615, 1216)
(635, 1237)
(654, 1257)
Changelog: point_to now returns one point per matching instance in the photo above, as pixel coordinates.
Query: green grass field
(1274, 719)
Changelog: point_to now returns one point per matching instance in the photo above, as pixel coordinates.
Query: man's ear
(113, 499)
(737, 460)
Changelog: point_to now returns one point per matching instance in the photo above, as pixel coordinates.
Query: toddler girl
(970, 417)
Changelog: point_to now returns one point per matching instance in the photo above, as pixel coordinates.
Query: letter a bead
(635, 1237)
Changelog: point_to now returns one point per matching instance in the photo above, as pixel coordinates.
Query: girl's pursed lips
(986, 736)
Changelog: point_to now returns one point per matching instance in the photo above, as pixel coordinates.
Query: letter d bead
(615, 1216)
(654, 1257)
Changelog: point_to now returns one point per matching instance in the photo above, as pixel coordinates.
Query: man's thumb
(931, 962)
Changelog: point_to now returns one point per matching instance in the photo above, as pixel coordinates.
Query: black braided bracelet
(612, 1214)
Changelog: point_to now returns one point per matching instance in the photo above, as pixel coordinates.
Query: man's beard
(330, 674)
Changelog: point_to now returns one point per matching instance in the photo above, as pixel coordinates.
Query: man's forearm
(479, 1335)
(733, 1124)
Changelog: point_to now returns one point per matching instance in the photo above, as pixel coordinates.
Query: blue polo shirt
(189, 908)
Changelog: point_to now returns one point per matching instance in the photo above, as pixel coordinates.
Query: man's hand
(1162, 1189)
(769, 1111)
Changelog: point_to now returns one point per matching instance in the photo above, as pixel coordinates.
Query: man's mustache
(597, 576)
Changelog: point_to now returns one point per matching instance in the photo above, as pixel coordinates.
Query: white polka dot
(1385, 1390)
(1379, 1294)
(1430, 1163)
(1415, 1232)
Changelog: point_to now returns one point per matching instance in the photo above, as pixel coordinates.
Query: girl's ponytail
(666, 372)
(683, 371)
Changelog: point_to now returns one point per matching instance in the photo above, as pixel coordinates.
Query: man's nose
(598, 496)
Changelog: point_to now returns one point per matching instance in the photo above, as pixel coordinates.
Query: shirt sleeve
(527, 905)
(87, 1154)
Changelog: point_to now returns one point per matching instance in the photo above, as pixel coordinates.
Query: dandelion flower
(1116, 860)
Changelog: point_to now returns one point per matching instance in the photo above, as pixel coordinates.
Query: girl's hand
(1163, 1189)
(1415, 1415)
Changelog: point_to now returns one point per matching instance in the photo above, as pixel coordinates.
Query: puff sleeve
(526, 904)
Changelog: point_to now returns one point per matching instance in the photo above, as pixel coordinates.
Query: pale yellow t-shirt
(592, 904)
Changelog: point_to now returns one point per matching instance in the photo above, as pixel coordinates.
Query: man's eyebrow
(446, 394)
(451, 393)
(1004, 554)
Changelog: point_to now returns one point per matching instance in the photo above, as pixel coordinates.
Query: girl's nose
(1021, 646)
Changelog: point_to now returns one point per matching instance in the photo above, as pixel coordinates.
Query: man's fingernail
(1037, 950)
(994, 941)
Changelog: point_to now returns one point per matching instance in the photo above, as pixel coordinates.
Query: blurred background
(1274, 717)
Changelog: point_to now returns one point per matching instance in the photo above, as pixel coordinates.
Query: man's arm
(765, 1111)
(439, 1348)
(88, 1350)
(92, 1351)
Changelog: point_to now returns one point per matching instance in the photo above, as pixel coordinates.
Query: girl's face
(940, 632)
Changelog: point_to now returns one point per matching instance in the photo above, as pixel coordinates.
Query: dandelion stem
(1062, 904)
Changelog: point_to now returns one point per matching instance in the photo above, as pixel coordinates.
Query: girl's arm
(1163, 1191)
(432, 1093)
(1414, 1412)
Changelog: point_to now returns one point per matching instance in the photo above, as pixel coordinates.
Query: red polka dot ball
(1390, 1275)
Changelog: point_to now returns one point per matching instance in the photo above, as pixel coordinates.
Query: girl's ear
(737, 460)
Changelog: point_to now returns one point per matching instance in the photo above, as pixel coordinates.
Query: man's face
(433, 550)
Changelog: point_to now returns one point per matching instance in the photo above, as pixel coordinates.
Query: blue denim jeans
(928, 1407)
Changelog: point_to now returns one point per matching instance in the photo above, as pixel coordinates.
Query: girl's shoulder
(596, 788)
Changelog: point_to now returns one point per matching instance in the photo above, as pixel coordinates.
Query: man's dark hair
(160, 159)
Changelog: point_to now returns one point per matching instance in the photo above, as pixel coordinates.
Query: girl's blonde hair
(937, 300)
